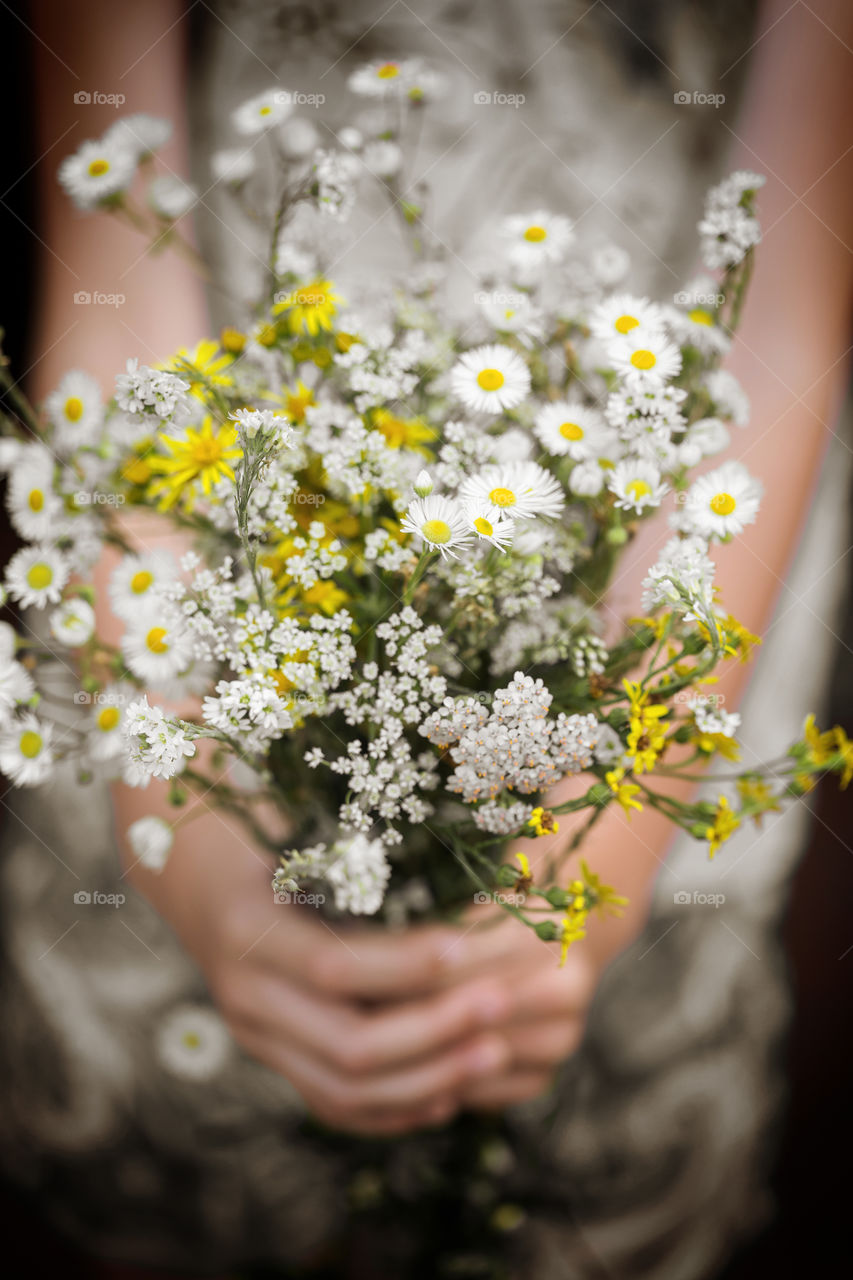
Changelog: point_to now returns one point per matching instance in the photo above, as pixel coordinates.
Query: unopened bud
(423, 484)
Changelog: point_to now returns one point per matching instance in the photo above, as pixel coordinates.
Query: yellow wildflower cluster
(648, 736)
(542, 822)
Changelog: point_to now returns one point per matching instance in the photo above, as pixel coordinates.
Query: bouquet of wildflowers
(400, 528)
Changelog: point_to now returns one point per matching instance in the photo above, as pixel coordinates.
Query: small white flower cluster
(249, 711)
(728, 229)
(335, 184)
(516, 746)
(157, 744)
(142, 390)
(682, 579)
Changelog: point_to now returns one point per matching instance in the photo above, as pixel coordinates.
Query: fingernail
(486, 1057)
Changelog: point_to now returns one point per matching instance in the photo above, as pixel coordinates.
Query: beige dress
(650, 1158)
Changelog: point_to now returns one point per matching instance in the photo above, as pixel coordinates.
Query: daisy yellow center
(156, 640)
(536, 234)
(30, 744)
(625, 324)
(482, 526)
(437, 531)
(74, 409)
(490, 379)
(141, 581)
(723, 504)
(191, 1040)
(643, 359)
(571, 431)
(39, 576)
(388, 71)
(108, 718)
(265, 111)
(700, 316)
(35, 501)
(97, 168)
(502, 498)
(638, 488)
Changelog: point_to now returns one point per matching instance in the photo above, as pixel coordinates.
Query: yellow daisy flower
(310, 308)
(198, 457)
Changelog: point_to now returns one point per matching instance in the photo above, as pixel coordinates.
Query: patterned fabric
(649, 1158)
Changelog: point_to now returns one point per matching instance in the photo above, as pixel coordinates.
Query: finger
(361, 1042)
(410, 1087)
(367, 963)
(504, 1090)
(491, 937)
(543, 1043)
(375, 1123)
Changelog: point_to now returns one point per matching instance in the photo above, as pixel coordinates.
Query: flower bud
(423, 485)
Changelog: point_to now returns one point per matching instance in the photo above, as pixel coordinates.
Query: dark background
(809, 1173)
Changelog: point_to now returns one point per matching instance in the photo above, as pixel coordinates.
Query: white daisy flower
(32, 502)
(383, 159)
(36, 575)
(16, 684)
(441, 523)
(703, 439)
(151, 839)
(157, 648)
(383, 79)
(728, 396)
(105, 735)
(76, 411)
(97, 172)
(512, 311)
(644, 358)
(193, 1043)
(637, 484)
(490, 379)
(140, 133)
(232, 164)
(138, 580)
(617, 316)
(171, 197)
(697, 327)
(26, 757)
(587, 479)
(263, 111)
(536, 239)
(521, 490)
(73, 623)
(491, 524)
(569, 428)
(722, 502)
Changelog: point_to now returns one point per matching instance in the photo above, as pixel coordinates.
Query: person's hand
(361, 1021)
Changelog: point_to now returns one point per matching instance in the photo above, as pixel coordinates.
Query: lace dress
(649, 1158)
